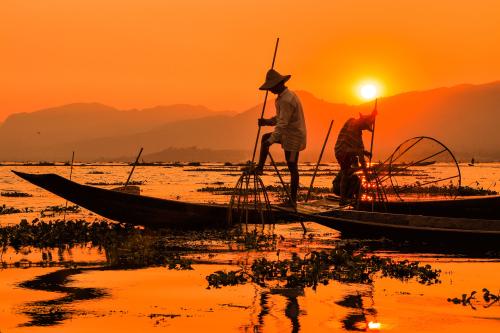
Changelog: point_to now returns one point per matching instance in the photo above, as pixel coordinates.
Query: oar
(319, 161)
(133, 167)
(70, 175)
(264, 105)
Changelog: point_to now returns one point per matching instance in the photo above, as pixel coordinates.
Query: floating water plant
(52, 210)
(488, 299)
(346, 264)
(15, 194)
(12, 210)
(135, 182)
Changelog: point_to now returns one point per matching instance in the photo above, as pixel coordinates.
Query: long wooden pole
(265, 102)
(373, 135)
(70, 175)
(319, 161)
(133, 167)
(371, 152)
(71, 168)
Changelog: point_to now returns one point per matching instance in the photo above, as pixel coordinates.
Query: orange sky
(129, 53)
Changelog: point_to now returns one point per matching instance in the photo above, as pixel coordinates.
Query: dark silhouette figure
(350, 154)
(289, 128)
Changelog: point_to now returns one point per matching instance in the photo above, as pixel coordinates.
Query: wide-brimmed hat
(273, 78)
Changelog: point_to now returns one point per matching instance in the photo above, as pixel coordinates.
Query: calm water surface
(105, 299)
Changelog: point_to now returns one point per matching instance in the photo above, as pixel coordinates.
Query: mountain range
(464, 117)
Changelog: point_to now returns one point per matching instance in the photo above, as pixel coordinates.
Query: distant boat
(425, 163)
(472, 162)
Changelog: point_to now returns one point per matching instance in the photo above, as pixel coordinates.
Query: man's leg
(292, 160)
(264, 151)
(345, 166)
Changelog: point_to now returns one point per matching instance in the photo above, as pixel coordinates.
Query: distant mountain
(33, 135)
(464, 117)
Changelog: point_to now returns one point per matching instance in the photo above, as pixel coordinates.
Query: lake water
(99, 296)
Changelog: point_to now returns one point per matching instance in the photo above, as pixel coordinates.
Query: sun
(368, 91)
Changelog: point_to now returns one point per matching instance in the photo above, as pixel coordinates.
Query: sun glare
(368, 91)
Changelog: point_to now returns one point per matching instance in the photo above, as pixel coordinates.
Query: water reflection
(131, 248)
(359, 316)
(54, 311)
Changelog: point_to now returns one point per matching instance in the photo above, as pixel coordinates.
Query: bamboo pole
(70, 176)
(133, 167)
(319, 161)
(264, 105)
(373, 134)
(371, 152)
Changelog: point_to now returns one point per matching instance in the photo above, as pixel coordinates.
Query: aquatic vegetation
(15, 194)
(446, 190)
(12, 210)
(134, 182)
(256, 240)
(96, 172)
(488, 299)
(226, 190)
(56, 234)
(466, 191)
(52, 210)
(345, 263)
(125, 245)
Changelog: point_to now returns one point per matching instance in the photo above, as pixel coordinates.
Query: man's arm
(267, 122)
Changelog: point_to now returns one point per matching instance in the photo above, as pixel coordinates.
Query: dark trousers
(348, 185)
(292, 160)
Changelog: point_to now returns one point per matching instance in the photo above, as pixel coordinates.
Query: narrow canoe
(479, 207)
(134, 209)
(402, 226)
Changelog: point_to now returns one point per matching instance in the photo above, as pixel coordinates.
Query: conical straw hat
(273, 78)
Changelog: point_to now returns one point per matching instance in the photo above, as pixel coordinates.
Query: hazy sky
(141, 53)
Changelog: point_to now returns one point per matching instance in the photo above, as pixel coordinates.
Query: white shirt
(290, 128)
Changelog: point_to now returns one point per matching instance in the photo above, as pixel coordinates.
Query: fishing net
(419, 168)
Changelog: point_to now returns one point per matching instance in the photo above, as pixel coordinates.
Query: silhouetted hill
(32, 135)
(463, 117)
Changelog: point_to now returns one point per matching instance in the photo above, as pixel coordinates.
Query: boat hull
(134, 209)
(361, 224)
(483, 207)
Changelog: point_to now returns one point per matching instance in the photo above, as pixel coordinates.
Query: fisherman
(350, 154)
(289, 130)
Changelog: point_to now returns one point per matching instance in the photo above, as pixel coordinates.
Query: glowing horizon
(131, 54)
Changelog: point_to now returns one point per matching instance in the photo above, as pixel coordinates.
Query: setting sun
(368, 91)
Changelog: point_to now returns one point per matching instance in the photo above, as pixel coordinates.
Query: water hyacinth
(345, 263)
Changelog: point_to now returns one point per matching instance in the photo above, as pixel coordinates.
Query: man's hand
(263, 122)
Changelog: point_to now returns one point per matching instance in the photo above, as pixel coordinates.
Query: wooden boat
(479, 207)
(471, 232)
(134, 209)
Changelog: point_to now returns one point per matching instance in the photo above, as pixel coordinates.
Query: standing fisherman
(350, 152)
(289, 130)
